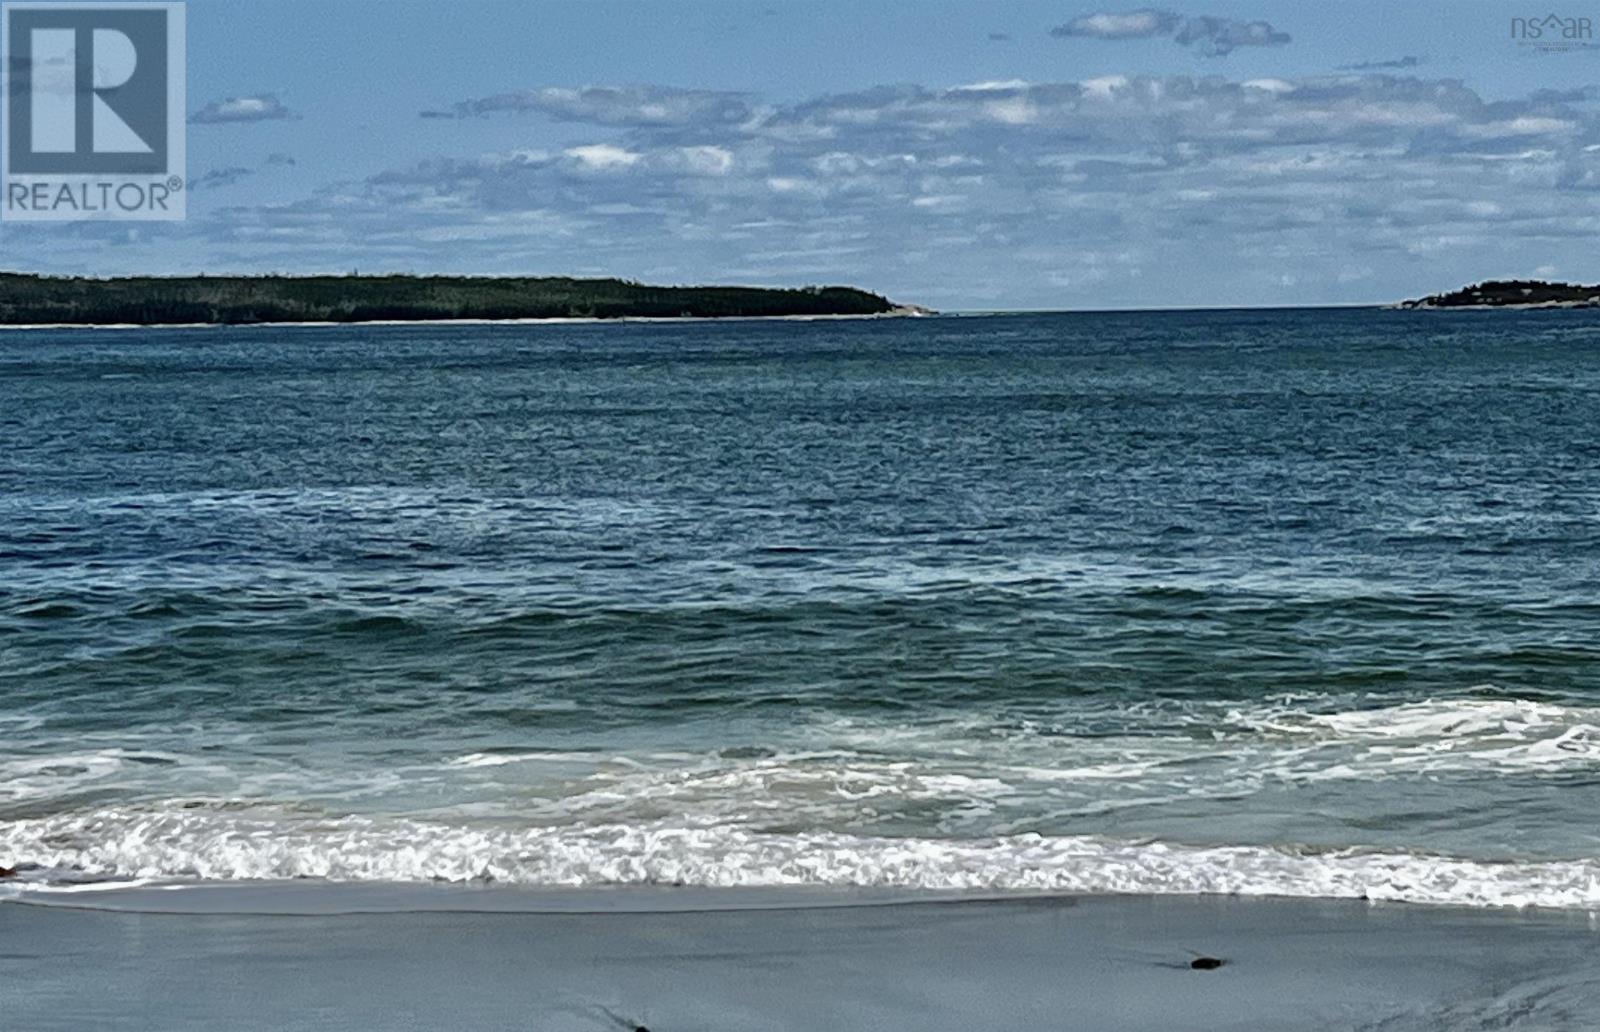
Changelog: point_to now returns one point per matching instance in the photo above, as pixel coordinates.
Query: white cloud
(708, 161)
(1012, 111)
(603, 156)
(1270, 85)
(638, 106)
(1105, 85)
(795, 185)
(1132, 25)
(1206, 33)
(995, 84)
(1523, 126)
(261, 107)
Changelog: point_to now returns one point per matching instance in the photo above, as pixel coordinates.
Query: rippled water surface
(1300, 602)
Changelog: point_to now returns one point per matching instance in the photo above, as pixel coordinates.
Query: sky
(978, 155)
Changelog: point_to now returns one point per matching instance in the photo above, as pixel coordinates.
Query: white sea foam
(208, 845)
(936, 777)
(480, 759)
(1477, 734)
(47, 776)
(933, 804)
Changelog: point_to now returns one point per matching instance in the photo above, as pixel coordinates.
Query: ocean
(1297, 602)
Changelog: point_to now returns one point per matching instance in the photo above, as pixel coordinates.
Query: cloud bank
(1207, 34)
(1098, 191)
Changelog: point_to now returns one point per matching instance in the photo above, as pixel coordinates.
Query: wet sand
(394, 958)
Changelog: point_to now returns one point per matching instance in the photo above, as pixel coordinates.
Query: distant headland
(1512, 294)
(33, 300)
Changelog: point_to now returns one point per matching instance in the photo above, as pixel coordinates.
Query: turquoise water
(1299, 602)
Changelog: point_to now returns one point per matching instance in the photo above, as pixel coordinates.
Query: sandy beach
(293, 957)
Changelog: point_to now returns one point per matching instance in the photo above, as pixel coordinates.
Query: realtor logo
(1554, 32)
(93, 111)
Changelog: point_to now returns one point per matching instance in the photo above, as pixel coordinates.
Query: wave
(1434, 735)
(956, 803)
(198, 845)
(962, 773)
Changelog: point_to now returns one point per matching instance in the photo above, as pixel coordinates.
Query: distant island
(27, 299)
(1512, 294)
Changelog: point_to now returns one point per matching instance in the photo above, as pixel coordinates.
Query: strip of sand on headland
(1423, 306)
(321, 957)
(903, 312)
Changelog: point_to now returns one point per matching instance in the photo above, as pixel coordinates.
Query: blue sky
(972, 155)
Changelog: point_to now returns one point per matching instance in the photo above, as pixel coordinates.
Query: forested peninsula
(1512, 294)
(27, 299)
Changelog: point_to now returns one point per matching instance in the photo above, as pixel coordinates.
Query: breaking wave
(209, 845)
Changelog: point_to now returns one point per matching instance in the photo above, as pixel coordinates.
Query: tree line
(34, 299)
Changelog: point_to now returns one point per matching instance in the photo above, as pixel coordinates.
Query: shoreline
(1110, 963)
(906, 312)
(313, 896)
(1404, 306)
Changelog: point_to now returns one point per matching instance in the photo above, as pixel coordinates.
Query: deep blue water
(1284, 601)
